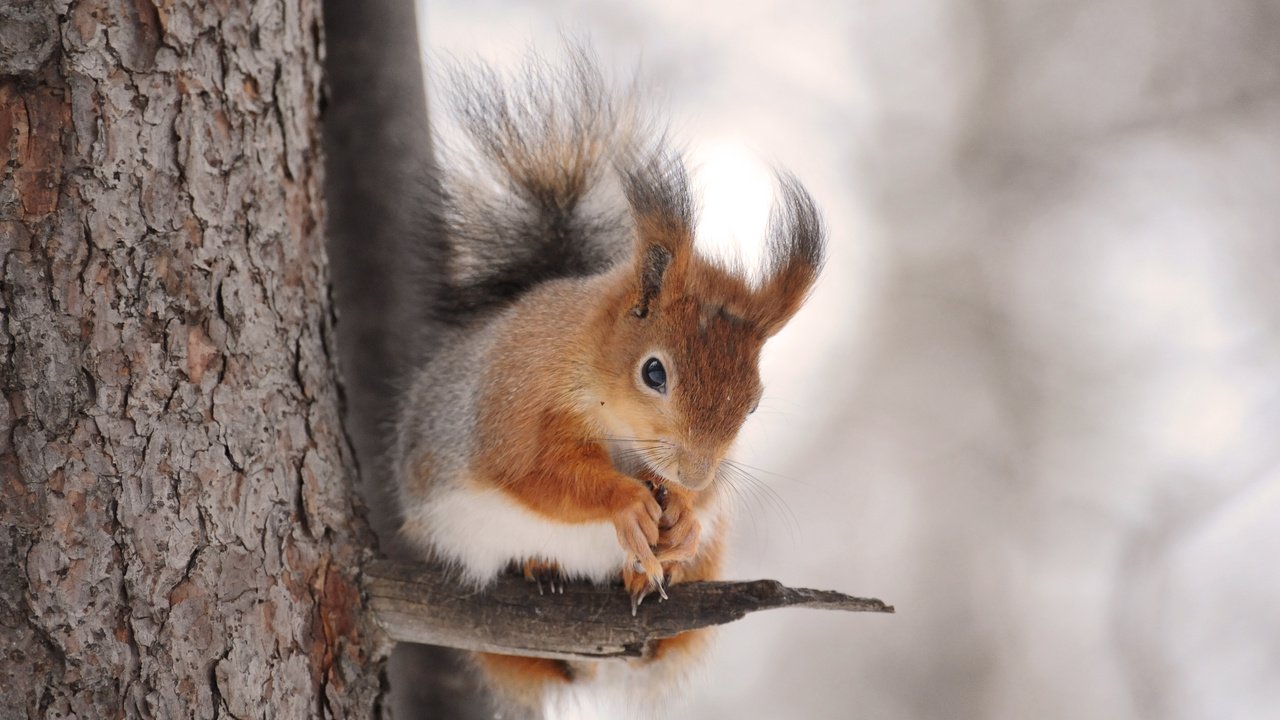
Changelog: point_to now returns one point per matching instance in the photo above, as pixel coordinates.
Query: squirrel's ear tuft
(797, 248)
(662, 207)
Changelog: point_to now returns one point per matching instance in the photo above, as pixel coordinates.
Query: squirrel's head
(685, 336)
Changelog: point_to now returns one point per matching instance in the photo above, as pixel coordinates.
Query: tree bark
(177, 536)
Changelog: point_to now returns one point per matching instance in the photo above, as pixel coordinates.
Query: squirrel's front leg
(679, 534)
(577, 483)
(679, 530)
(637, 525)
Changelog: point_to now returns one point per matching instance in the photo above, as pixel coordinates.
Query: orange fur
(523, 679)
(547, 433)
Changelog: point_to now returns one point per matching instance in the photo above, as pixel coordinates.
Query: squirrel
(590, 369)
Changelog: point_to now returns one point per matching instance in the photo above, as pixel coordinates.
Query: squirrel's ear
(662, 208)
(796, 251)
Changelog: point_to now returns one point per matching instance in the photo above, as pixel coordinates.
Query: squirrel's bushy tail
(527, 190)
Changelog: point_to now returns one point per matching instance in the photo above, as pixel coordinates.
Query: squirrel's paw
(678, 529)
(547, 574)
(637, 528)
(639, 585)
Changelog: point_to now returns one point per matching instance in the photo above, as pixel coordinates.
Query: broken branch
(425, 604)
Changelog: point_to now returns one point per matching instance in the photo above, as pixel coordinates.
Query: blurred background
(1035, 399)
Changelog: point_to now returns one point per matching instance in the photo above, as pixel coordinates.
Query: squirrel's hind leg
(520, 683)
(547, 574)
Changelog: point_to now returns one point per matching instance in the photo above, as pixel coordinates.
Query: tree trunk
(177, 536)
(379, 156)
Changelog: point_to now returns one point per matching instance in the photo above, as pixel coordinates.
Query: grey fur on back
(441, 410)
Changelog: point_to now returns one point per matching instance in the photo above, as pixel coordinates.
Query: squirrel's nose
(696, 471)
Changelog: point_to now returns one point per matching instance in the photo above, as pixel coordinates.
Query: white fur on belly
(483, 531)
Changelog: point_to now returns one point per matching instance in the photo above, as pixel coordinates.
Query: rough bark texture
(176, 533)
(580, 621)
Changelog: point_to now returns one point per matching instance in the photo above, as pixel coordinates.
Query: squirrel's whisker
(755, 489)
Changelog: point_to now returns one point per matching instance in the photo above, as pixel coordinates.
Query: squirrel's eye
(654, 375)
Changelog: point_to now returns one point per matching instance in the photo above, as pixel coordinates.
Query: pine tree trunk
(379, 156)
(177, 536)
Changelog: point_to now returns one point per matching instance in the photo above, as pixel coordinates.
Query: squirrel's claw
(542, 571)
(640, 584)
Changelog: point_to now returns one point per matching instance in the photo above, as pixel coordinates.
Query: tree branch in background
(425, 604)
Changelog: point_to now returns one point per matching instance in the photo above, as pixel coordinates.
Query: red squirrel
(592, 369)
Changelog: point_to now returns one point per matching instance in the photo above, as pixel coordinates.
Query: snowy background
(1035, 400)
